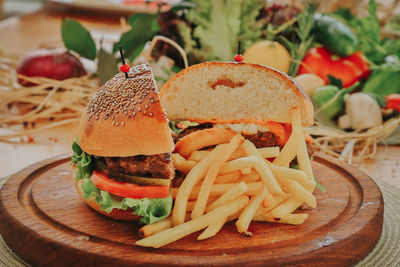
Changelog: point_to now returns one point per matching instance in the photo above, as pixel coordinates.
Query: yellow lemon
(268, 53)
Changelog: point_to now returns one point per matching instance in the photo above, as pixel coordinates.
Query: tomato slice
(280, 130)
(123, 189)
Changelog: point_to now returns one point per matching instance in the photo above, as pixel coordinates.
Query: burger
(252, 99)
(122, 153)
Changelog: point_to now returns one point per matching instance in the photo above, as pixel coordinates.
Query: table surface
(18, 35)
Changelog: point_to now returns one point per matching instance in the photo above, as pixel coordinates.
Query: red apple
(50, 63)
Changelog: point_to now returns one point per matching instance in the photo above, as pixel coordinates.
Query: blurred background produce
(347, 60)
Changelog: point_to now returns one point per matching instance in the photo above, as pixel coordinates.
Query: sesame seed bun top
(125, 118)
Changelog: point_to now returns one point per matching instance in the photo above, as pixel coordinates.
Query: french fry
(283, 174)
(239, 164)
(262, 168)
(269, 152)
(230, 177)
(198, 155)
(269, 204)
(266, 152)
(302, 155)
(203, 138)
(211, 230)
(181, 164)
(151, 229)
(293, 218)
(269, 199)
(219, 189)
(285, 208)
(288, 152)
(191, 203)
(192, 178)
(242, 224)
(214, 228)
(253, 176)
(212, 173)
(170, 235)
(239, 153)
(300, 193)
(232, 194)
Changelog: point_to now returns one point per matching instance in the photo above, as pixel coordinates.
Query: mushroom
(362, 112)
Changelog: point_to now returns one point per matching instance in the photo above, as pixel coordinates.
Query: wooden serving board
(45, 222)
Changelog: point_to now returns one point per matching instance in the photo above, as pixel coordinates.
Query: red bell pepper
(393, 102)
(322, 63)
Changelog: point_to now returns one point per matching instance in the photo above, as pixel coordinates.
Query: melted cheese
(246, 128)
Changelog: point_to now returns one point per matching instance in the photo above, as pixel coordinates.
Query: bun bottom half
(117, 214)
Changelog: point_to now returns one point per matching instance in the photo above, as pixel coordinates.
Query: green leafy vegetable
(393, 25)
(295, 166)
(183, 124)
(334, 81)
(220, 24)
(298, 48)
(320, 186)
(386, 79)
(77, 38)
(368, 30)
(83, 161)
(150, 210)
(107, 66)
(143, 28)
(317, 184)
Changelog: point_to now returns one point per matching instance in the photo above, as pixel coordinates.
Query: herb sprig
(304, 37)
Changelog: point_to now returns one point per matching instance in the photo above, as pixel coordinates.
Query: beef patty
(157, 166)
(262, 139)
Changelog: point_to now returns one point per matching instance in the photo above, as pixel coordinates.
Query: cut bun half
(125, 118)
(228, 92)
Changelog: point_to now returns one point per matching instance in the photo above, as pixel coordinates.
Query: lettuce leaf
(82, 160)
(150, 210)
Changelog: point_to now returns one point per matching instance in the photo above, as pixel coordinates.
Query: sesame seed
(144, 112)
(147, 106)
(150, 114)
(123, 123)
(119, 94)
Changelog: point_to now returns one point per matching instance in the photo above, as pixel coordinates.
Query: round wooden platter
(43, 220)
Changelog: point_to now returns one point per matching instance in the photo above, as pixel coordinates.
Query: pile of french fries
(234, 181)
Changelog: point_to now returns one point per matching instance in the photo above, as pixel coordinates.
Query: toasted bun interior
(122, 215)
(125, 118)
(227, 92)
